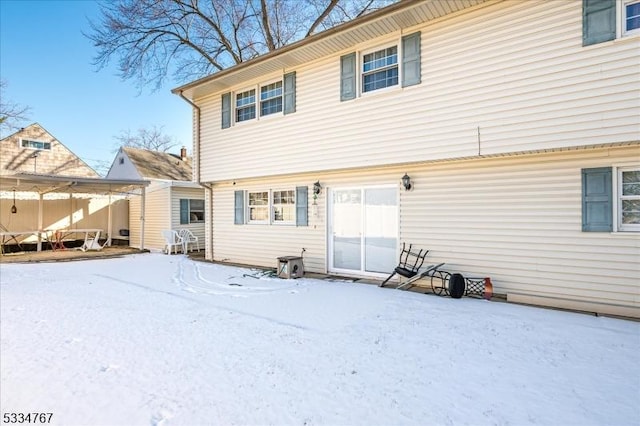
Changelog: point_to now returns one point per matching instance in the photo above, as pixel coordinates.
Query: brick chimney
(183, 153)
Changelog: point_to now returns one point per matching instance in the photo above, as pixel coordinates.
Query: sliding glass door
(363, 229)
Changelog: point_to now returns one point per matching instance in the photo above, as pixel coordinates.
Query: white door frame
(329, 236)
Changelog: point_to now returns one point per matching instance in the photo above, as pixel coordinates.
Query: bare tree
(12, 115)
(153, 40)
(152, 138)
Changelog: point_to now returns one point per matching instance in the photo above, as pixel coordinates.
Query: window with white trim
(33, 144)
(284, 206)
(380, 69)
(191, 211)
(629, 199)
(271, 98)
(258, 206)
(630, 17)
(246, 105)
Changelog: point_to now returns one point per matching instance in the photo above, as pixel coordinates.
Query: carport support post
(142, 206)
(40, 221)
(109, 225)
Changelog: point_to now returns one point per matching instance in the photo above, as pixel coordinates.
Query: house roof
(394, 18)
(159, 165)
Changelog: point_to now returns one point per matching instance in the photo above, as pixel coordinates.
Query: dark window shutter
(348, 77)
(289, 93)
(302, 214)
(226, 110)
(239, 208)
(597, 200)
(184, 211)
(598, 21)
(411, 59)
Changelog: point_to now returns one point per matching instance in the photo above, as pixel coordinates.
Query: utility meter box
(290, 267)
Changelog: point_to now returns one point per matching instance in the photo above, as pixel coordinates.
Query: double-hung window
(631, 17)
(246, 105)
(271, 98)
(191, 211)
(380, 69)
(275, 207)
(284, 206)
(258, 207)
(629, 199)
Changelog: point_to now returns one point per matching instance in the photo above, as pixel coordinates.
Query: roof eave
(207, 84)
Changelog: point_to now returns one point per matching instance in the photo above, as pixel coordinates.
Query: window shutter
(598, 21)
(348, 77)
(184, 211)
(289, 93)
(302, 215)
(597, 202)
(411, 59)
(226, 110)
(239, 208)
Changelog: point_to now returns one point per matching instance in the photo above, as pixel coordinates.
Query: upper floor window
(271, 98)
(604, 20)
(398, 64)
(274, 97)
(380, 69)
(27, 143)
(631, 16)
(246, 105)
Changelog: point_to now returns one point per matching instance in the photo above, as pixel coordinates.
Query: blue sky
(46, 62)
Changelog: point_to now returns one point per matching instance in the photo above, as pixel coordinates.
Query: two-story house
(503, 136)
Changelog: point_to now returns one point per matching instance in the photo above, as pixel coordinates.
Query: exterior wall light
(406, 182)
(317, 188)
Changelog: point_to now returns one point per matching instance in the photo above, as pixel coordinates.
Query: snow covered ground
(152, 339)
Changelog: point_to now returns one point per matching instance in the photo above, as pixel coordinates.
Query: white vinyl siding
(157, 217)
(162, 211)
(475, 74)
(518, 221)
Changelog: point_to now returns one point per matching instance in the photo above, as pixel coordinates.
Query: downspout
(208, 245)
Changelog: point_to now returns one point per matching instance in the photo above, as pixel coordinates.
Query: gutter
(208, 247)
(197, 138)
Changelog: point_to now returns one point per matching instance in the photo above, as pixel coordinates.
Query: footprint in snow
(159, 419)
(73, 340)
(109, 367)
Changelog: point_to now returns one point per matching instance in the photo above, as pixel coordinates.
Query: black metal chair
(409, 265)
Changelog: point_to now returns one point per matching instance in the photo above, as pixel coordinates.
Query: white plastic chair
(172, 241)
(91, 242)
(188, 238)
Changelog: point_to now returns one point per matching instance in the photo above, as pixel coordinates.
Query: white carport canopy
(47, 184)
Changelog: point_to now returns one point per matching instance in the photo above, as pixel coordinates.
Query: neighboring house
(34, 150)
(516, 123)
(52, 188)
(172, 199)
